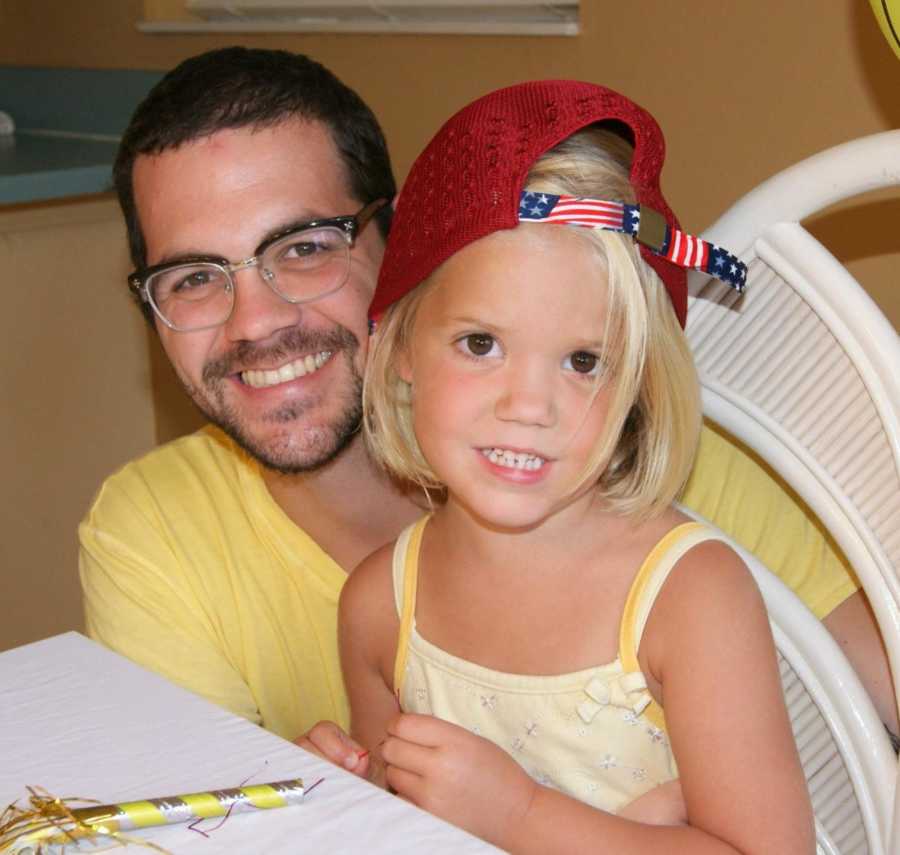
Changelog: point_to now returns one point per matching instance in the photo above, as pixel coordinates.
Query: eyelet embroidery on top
(656, 734)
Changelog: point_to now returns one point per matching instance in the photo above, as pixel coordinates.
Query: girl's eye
(478, 344)
(583, 362)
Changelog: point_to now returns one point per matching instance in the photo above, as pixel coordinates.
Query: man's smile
(300, 367)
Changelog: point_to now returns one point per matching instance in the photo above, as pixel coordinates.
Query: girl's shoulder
(708, 591)
(694, 548)
(705, 570)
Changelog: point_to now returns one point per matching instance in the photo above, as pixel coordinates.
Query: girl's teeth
(291, 371)
(513, 460)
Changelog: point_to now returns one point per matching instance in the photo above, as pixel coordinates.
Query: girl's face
(504, 364)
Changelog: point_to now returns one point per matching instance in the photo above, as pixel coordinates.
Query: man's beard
(301, 447)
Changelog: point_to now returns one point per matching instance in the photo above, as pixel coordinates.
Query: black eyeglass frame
(352, 225)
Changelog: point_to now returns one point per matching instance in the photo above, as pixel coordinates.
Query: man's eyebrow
(293, 225)
(185, 258)
(288, 226)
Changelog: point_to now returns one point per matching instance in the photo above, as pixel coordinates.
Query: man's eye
(192, 283)
(310, 246)
(197, 279)
(301, 249)
(479, 344)
(583, 362)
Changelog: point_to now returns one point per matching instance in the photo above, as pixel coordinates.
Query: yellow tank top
(596, 735)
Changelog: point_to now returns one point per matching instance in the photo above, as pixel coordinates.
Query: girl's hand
(331, 743)
(460, 777)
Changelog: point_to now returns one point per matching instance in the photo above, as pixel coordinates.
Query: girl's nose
(527, 396)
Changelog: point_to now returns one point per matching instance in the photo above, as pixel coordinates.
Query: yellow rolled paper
(52, 822)
(191, 806)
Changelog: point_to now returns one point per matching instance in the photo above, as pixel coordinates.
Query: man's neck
(349, 506)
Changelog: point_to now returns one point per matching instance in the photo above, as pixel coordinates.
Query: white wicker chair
(845, 752)
(805, 370)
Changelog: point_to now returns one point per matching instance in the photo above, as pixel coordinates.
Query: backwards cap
(468, 182)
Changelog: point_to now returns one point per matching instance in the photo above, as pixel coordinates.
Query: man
(254, 187)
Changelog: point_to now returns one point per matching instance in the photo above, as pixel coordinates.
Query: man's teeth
(512, 459)
(291, 371)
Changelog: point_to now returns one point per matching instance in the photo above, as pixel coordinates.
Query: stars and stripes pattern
(678, 247)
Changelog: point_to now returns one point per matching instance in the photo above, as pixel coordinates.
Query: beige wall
(742, 90)
(75, 382)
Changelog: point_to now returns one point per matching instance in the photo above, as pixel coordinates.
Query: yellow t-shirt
(731, 489)
(191, 569)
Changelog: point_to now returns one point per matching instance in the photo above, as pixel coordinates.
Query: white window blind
(497, 17)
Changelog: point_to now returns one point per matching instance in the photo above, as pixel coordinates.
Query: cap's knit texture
(466, 184)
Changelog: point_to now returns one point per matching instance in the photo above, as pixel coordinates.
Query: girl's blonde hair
(645, 452)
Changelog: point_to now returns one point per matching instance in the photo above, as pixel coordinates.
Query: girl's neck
(585, 524)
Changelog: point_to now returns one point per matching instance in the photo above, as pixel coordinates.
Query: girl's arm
(709, 643)
(367, 633)
(709, 646)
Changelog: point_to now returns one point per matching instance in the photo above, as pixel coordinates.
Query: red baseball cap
(467, 182)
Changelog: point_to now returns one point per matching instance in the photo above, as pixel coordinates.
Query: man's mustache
(295, 342)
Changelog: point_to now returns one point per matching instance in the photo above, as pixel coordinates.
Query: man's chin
(289, 446)
(294, 452)
(286, 441)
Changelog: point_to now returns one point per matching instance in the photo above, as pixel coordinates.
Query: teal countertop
(68, 123)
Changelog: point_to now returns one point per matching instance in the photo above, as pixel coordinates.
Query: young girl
(545, 656)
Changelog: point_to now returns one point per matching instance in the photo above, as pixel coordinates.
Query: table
(79, 720)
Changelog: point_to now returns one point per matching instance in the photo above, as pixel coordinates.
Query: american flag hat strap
(646, 225)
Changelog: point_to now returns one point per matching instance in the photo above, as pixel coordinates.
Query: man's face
(282, 379)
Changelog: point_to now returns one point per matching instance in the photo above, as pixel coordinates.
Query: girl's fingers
(329, 741)
(405, 755)
(425, 730)
(407, 785)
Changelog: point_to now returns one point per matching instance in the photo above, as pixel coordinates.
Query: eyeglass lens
(300, 267)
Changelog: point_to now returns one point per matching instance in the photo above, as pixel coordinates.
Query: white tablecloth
(79, 720)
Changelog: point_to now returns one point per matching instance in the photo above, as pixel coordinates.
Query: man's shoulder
(205, 450)
(192, 468)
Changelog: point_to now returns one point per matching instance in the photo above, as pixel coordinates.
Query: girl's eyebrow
(472, 321)
(590, 344)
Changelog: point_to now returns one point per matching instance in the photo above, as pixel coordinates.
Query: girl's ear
(403, 366)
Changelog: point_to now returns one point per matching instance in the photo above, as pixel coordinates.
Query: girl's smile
(517, 467)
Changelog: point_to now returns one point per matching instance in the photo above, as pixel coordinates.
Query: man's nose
(259, 312)
(527, 395)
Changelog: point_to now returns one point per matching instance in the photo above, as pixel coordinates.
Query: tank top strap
(405, 571)
(645, 589)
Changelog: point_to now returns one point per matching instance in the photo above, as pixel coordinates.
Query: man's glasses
(304, 264)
